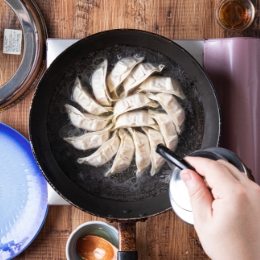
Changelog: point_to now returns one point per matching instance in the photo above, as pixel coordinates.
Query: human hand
(227, 218)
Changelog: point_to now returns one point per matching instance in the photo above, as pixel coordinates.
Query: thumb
(200, 196)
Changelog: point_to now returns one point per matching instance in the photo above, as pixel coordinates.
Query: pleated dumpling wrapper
(157, 84)
(84, 99)
(142, 151)
(124, 155)
(120, 71)
(99, 86)
(154, 138)
(138, 75)
(136, 118)
(90, 140)
(104, 153)
(167, 128)
(87, 121)
(133, 102)
(172, 107)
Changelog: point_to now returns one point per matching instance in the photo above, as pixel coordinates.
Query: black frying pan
(121, 197)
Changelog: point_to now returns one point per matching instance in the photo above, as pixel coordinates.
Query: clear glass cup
(235, 15)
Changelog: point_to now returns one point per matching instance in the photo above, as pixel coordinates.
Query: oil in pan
(122, 186)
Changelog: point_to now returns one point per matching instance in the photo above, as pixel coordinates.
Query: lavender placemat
(233, 65)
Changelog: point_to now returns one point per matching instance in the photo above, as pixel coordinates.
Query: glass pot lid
(32, 63)
(178, 193)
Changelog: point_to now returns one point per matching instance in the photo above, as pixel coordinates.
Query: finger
(215, 173)
(200, 197)
(234, 171)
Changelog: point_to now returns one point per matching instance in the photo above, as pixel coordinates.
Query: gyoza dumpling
(142, 151)
(121, 70)
(162, 85)
(104, 153)
(167, 128)
(135, 118)
(124, 155)
(86, 121)
(90, 140)
(98, 83)
(83, 98)
(170, 104)
(139, 74)
(155, 138)
(132, 102)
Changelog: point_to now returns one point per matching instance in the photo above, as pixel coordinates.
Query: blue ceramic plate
(23, 194)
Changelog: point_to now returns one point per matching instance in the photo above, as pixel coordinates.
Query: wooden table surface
(164, 236)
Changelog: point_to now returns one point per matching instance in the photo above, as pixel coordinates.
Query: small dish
(235, 15)
(96, 228)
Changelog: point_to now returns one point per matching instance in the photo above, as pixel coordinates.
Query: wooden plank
(164, 236)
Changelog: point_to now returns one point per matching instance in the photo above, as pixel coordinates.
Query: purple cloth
(233, 65)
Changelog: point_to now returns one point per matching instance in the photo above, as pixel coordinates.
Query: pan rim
(128, 210)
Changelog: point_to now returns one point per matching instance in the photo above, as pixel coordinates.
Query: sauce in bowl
(92, 247)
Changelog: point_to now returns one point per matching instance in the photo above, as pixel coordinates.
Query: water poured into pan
(122, 186)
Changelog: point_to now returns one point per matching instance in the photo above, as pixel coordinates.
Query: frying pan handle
(170, 156)
(127, 255)
(127, 240)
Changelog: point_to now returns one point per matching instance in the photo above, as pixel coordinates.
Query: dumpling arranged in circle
(126, 129)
